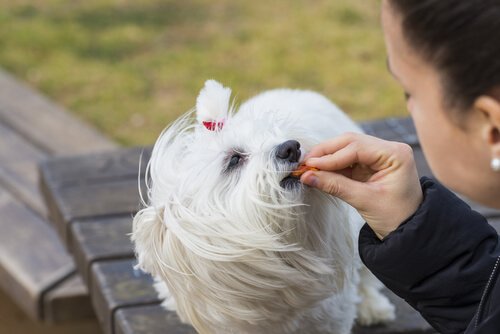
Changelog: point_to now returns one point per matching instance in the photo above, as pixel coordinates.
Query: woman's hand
(377, 177)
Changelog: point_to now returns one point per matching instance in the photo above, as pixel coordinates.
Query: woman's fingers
(375, 176)
(337, 185)
(350, 149)
(343, 158)
(332, 145)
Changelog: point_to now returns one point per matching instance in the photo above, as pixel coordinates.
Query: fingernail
(311, 180)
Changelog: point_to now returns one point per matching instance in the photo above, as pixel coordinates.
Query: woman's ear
(489, 107)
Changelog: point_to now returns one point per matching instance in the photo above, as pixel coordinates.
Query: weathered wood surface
(97, 234)
(120, 286)
(68, 302)
(154, 319)
(395, 129)
(27, 264)
(35, 269)
(149, 319)
(101, 239)
(108, 182)
(402, 130)
(45, 124)
(13, 320)
(115, 285)
(18, 168)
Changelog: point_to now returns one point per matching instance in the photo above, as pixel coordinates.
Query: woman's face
(457, 155)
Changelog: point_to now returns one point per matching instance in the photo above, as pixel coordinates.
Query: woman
(423, 242)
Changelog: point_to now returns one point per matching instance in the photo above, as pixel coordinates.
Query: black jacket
(444, 261)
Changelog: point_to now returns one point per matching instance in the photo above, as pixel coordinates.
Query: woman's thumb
(334, 184)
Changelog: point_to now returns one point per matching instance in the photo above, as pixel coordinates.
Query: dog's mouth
(290, 182)
(292, 179)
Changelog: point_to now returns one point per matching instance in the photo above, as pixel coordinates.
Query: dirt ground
(14, 321)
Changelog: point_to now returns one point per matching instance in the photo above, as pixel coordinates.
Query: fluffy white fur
(235, 252)
(212, 103)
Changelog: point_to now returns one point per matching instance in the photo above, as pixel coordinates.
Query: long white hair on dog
(238, 252)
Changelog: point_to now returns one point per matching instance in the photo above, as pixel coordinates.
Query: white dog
(236, 244)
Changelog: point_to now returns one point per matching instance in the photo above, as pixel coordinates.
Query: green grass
(131, 67)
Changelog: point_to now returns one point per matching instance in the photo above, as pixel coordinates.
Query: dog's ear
(212, 105)
(148, 232)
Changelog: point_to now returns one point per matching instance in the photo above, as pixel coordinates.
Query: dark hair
(461, 38)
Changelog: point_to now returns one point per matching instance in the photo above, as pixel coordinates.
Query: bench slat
(107, 182)
(116, 284)
(113, 299)
(26, 272)
(150, 319)
(32, 129)
(18, 170)
(101, 239)
(68, 302)
(56, 131)
(153, 319)
(15, 321)
(96, 168)
(395, 129)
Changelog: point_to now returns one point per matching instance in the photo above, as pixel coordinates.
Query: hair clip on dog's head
(212, 105)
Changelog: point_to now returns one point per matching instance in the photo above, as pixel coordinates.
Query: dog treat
(301, 169)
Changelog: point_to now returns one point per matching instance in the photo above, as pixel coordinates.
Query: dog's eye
(234, 161)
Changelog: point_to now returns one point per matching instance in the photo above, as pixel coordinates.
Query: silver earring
(495, 164)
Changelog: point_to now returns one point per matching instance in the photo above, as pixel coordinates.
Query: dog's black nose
(289, 151)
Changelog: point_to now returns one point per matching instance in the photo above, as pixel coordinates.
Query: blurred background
(129, 67)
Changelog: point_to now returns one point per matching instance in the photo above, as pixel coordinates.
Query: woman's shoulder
(487, 317)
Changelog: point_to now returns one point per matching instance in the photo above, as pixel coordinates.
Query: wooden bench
(92, 199)
(36, 271)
